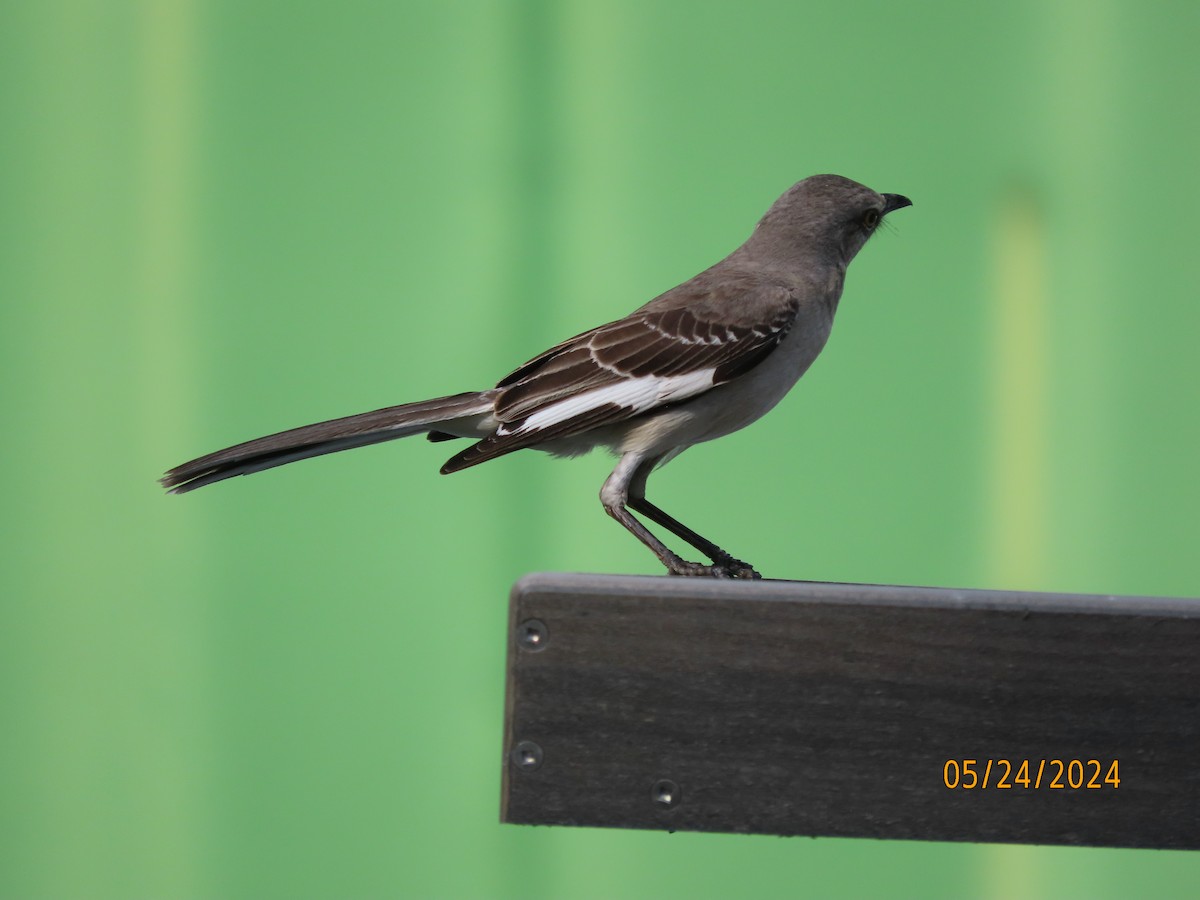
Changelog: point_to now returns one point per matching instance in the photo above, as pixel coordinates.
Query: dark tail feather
(325, 437)
(494, 445)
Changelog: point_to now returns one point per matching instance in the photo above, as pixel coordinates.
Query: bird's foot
(724, 566)
(735, 568)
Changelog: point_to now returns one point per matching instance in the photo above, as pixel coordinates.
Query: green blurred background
(221, 219)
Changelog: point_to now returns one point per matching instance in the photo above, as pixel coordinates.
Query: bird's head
(822, 219)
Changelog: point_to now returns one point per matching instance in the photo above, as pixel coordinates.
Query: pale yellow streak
(173, 791)
(1017, 532)
(115, 729)
(1017, 482)
(165, 213)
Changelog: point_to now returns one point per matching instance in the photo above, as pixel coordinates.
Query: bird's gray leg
(638, 503)
(615, 494)
(615, 497)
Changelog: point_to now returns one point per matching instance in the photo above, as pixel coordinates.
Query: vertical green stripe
(1017, 471)
(174, 739)
(104, 736)
(166, 189)
(70, 141)
(1083, 107)
(534, 238)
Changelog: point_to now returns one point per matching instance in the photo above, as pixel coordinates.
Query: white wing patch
(635, 394)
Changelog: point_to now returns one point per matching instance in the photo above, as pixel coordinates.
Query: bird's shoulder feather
(727, 324)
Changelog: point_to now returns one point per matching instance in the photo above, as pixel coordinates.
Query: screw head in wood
(666, 794)
(532, 635)
(526, 756)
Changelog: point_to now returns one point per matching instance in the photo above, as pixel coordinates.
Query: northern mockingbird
(702, 360)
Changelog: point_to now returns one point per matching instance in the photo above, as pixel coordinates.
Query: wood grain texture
(825, 709)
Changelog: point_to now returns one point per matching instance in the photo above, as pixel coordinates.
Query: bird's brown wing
(691, 339)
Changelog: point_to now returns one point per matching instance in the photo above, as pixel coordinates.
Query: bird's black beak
(893, 202)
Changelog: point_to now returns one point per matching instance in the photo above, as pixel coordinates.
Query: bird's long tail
(454, 413)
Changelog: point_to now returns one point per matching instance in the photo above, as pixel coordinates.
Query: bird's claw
(735, 568)
(745, 572)
(724, 566)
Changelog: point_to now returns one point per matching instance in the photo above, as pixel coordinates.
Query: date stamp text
(1031, 774)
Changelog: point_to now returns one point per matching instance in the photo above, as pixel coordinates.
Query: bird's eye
(870, 219)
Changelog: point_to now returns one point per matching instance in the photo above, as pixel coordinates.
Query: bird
(703, 360)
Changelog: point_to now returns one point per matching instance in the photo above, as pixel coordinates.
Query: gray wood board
(800, 708)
